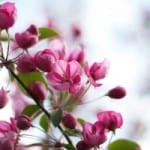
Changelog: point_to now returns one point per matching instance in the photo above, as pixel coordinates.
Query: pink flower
(38, 90)
(78, 55)
(65, 76)
(117, 92)
(27, 38)
(45, 59)
(26, 64)
(111, 119)
(3, 98)
(94, 134)
(69, 120)
(7, 15)
(81, 145)
(97, 71)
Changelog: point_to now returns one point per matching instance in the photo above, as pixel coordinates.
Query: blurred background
(118, 30)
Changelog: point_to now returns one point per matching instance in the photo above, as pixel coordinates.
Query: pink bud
(7, 15)
(27, 38)
(81, 145)
(23, 122)
(69, 120)
(3, 98)
(111, 119)
(45, 59)
(76, 31)
(6, 144)
(26, 64)
(117, 92)
(38, 90)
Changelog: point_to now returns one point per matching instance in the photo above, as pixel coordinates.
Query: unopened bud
(3, 98)
(117, 92)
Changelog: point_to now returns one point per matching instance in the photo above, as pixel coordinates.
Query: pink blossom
(27, 38)
(94, 134)
(81, 145)
(65, 76)
(45, 59)
(26, 64)
(3, 98)
(7, 15)
(77, 54)
(38, 90)
(69, 120)
(97, 71)
(59, 47)
(111, 119)
(117, 92)
(76, 31)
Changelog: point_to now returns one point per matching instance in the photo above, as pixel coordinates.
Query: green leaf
(81, 121)
(123, 144)
(31, 110)
(44, 123)
(47, 33)
(28, 78)
(56, 116)
(69, 147)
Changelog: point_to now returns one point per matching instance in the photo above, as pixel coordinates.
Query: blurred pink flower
(3, 98)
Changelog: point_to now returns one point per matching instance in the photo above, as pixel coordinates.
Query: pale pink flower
(65, 76)
(27, 38)
(77, 54)
(111, 119)
(94, 134)
(26, 64)
(45, 59)
(97, 71)
(7, 15)
(3, 98)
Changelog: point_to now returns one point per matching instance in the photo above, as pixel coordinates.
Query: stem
(37, 102)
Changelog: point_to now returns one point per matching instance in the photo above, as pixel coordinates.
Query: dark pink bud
(117, 92)
(76, 31)
(26, 64)
(6, 144)
(23, 122)
(7, 15)
(45, 59)
(111, 119)
(27, 38)
(3, 98)
(69, 120)
(81, 145)
(38, 90)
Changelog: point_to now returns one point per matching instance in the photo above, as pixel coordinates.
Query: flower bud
(117, 92)
(6, 144)
(27, 38)
(81, 145)
(7, 15)
(38, 90)
(23, 122)
(26, 64)
(69, 120)
(3, 98)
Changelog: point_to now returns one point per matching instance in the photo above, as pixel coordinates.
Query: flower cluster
(57, 76)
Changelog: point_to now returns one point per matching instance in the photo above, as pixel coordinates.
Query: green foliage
(47, 33)
(123, 144)
(81, 121)
(28, 78)
(69, 147)
(56, 116)
(31, 111)
(44, 123)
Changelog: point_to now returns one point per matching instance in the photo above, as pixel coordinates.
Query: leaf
(81, 121)
(123, 144)
(28, 78)
(44, 123)
(69, 147)
(30, 110)
(47, 33)
(56, 116)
